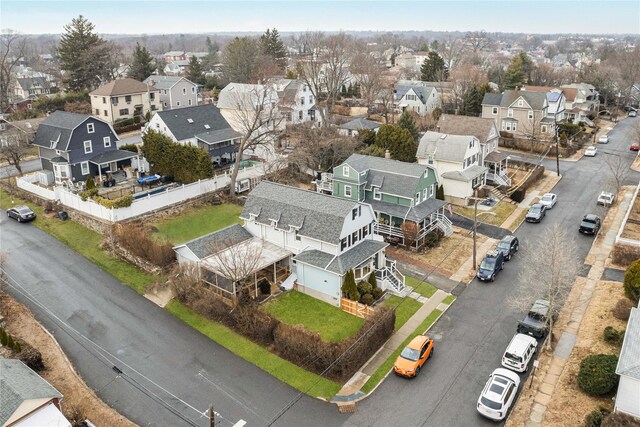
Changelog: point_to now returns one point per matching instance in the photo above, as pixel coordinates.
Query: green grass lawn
(87, 243)
(388, 364)
(425, 289)
(503, 209)
(404, 311)
(285, 371)
(296, 308)
(197, 222)
(448, 299)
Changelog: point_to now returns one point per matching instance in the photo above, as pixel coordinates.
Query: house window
(430, 160)
(124, 112)
(530, 115)
(114, 100)
(87, 147)
(193, 90)
(520, 103)
(165, 104)
(165, 92)
(300, 115)
(104, 100)
(127, 99)
(98, 111)
(354, 213)
(106, 113)
(376, 193)
(417, 197)
(84, 167)
(90, 128)
(544, 128)
(297, 236)
(354, 237)
(184, 90)
(494, 111)
(343, 244)
(508, 126)
(345, 170)
(347, 190)
(107, 141)
(177, 103)
(311, 100)
(302, 101)
(189, 102)
(513, 128)
(431, 190)
(509, 112)
(152, 96)
(424, 194)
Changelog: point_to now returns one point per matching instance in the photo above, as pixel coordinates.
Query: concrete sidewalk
(568, 335)
(350, 392)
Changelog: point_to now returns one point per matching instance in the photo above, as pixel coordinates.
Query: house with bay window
(456, 159)
(401, 194)
(296, 238)
(75, 146)
(525, 114)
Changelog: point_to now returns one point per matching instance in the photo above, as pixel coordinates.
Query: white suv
(606, 199)
(519, 352)
(499, 394)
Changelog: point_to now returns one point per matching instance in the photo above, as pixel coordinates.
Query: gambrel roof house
(304, 237)
(27, 399)
(202, 126)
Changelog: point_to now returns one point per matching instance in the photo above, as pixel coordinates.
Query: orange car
(414, 355)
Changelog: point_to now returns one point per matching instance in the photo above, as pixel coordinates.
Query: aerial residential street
(174, 364)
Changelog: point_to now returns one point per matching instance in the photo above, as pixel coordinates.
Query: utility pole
(475, 223)
(555, 125)
(212, 417)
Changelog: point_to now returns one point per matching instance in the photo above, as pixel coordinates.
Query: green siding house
(401, 194)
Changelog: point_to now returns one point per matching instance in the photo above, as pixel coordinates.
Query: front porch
(113, 162)
(498, 163)
(324, 183)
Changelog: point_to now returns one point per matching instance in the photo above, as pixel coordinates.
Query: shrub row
(338, 361)
(135, 239)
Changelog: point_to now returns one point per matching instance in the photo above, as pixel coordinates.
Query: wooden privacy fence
(356, 308)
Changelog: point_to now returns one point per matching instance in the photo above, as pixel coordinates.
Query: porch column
(100, 173)
(275, 276)
(255, 283)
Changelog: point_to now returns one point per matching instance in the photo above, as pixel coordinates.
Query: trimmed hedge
(597, 375)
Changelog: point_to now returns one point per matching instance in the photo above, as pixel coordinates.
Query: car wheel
(431, 354)
(502, 267)
(19, 219)
(417, 371)
(493, 278)
(517, 248)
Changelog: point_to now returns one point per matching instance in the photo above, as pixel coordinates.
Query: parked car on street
(606, 199)
(590, 224)
(633, 113)
(509, 245)
(604, 139)
(549, 200)
(491, 265)
(635, 146)
(413, 357)
(535, 322)
(21, 213)
(498, 394)
(591, 151)
(536, 213)
(519, 352)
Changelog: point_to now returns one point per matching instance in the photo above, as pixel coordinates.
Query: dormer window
(297, 236)
(354, 213)
(345, 170)
(376, 193)
(90, 128)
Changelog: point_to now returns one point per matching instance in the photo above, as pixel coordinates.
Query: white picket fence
(141, 206)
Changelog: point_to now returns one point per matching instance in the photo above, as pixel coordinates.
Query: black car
(491, 265)
(590, 224)
(21, 214)
(536, 213)
(535, 323)
(509, 245)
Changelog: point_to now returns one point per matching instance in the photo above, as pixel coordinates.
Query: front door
(113, 166)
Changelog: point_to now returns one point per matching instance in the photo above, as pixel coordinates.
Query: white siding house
(628, 397)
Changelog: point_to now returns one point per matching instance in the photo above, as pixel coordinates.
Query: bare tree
(321, 149)
(451, 51)
(257, 118)
(368, 73)
(549, 271)
(476, 40)
(15, 145)
(531, 128)
(619, 169)
(386, 96)
(12, 47)
(463, 78)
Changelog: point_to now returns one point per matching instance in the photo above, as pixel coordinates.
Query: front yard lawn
(87, 243)
(285, 371)
(404, 310)
(296, 308)
(423, 288)
(503, 209)
(198, 222)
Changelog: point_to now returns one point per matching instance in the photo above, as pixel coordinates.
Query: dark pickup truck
(535, 324)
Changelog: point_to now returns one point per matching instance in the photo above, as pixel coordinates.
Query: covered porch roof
(112, 156)
(412, 213)
(496, 157)
(344, 262)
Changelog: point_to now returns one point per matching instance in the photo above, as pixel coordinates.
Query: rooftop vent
(207, 127)
(190, 120)
(443, 136)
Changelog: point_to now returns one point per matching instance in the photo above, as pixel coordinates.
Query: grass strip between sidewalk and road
(388, 364)
(423, 288)
(448, 299)
(86, 242)
(274, 365)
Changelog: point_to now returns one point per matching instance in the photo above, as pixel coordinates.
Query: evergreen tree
(196, 74)
(212, 47)
(472, 102)
(408, 122)
(3, 337)
(398, 141)
(440, 192)
(273, 47)
(241, 60)
(349, 287)
(143, 65)
(373, 280)
(86, 58)
(519, 71)
(434, 69)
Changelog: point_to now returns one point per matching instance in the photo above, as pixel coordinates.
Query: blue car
(491, 265)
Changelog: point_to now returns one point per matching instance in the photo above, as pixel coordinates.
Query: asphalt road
(27, 166)
(172, 373)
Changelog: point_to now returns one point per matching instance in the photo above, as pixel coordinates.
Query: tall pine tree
(519, 71)
(408, 122)
(434, 69)
(273, 47)
(86, 58)
(196, 74)
(142, 65)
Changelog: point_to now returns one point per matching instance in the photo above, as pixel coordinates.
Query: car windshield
(410, 354)
(534, 210)
(513, 357)
(488, 264)
(490, 403)
(547, 198)
(503, 245)
(24, 210)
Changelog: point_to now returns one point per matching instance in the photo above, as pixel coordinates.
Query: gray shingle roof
(318, 216)
(177, 120)
(164, 82)
(27, 83)
(359, 124)
(213, 136)
(629, 360)
(465, 125)
(361, 163)
(451, 148)
(19, 383)
(466, 175)
(55, 131)
(124, 86)
(535, 99)
(208, 244)
(113, 156)
(492, 99)
(415, 213)
(344, 262)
